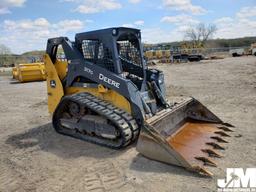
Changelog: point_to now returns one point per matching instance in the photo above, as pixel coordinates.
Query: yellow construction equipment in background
(14, 73)
(29, 72)
(162, 55)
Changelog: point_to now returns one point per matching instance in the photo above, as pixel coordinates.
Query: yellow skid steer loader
(104, 93)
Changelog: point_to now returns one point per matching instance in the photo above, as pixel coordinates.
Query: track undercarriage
(88, 118)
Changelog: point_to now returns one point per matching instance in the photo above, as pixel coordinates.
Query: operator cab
(115, 49)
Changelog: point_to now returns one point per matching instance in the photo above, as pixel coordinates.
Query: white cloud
(69, 25)
(4, 10)
(134, 1)
(139, 22)
(24, 25)
(86, 9)
(6, 4)
(184, 5)
(180, 20)
(94, 6)
(246, 12)
(158, 35)
(27, 35)
(243, 24)
(12, 3)
(129, 25)
(223, 20)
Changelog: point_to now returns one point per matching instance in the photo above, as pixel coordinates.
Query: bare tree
(4, 50)
(4, 55)
(200, 33)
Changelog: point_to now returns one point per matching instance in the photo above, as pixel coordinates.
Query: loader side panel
(54, 85)
(60, 71)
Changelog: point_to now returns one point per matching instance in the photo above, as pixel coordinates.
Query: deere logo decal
(108, 80)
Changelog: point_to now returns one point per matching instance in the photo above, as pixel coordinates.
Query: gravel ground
(33, 157)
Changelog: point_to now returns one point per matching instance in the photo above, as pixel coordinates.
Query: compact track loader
(104, 93)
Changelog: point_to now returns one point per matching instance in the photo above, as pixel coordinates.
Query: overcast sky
(25, 25)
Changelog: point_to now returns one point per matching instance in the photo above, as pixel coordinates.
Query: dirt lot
(33, 157)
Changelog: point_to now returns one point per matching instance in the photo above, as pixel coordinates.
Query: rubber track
(124, 121)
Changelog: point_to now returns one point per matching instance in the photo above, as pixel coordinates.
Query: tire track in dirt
(8, 181)
(11, 179)
(99, 176)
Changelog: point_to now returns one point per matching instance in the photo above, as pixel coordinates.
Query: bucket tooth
(212, 153)
(228, 124)
(215, 145)
(222, 133)
(202, 171)
(225, 129)
(219, 139)
(207, 161)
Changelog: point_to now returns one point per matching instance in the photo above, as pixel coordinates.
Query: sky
(26, 25)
